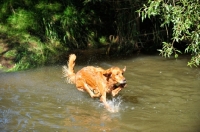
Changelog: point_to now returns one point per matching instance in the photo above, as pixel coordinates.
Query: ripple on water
(161, 95)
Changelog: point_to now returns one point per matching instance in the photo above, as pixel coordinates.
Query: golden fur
(95, 80)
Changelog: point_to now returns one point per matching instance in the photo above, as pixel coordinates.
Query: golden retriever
(95, 80)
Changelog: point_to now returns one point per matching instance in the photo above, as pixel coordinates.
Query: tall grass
(32, 35)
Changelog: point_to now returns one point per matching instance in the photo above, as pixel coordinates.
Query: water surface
(162, 95)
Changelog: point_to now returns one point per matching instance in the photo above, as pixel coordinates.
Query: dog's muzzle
(121, 84)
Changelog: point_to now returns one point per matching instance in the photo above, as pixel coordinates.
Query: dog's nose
(124, 81)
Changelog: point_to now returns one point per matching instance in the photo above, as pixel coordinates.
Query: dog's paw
(113, 110)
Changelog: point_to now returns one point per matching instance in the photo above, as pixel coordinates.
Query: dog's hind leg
(93, 93)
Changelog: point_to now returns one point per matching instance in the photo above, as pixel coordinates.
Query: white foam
(114, 103)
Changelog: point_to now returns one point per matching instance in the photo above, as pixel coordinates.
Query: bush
(22, 20)
(183, 17)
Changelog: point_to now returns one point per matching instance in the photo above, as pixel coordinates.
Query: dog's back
(93, 77)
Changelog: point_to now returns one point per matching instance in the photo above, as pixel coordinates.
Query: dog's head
(116, 75)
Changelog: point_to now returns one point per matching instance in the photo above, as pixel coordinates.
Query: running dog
(95, 80)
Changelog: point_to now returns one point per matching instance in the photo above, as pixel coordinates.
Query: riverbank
(25, 52)
(22, 51)
(6, 57)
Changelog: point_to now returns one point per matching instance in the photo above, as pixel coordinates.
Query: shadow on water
(162, 95)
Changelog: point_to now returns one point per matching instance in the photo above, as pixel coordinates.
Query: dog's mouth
(121, 85)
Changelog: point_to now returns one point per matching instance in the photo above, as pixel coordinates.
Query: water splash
(114, 103)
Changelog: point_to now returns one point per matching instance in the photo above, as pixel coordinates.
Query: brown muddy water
(163, 95)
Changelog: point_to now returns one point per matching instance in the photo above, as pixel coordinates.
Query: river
(162, 95)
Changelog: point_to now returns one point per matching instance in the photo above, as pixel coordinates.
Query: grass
(19, 50)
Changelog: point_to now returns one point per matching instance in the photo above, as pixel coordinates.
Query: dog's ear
(107, 73)
(124, 69)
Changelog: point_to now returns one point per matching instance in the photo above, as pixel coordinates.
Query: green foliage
(28, 51)
(10, 54)
(50, 31)
(22, 20)
(44, 30)
(103, 40)
(49, 15)
(4, 10)
(75, 25)
(184, 18)
(46, 7)
(70, 22)
(40, 32)
(168, 49)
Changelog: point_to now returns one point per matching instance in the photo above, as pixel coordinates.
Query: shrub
(183, 17)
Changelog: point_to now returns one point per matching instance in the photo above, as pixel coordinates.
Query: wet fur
(95, 80)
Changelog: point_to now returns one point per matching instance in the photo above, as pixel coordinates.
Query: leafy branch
(183, 18)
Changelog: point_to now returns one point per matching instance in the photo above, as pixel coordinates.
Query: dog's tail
(68, 71)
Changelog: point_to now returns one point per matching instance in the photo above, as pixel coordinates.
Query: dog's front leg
(116, 91)
(103, 99)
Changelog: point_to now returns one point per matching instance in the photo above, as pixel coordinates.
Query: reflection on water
(162, 95)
